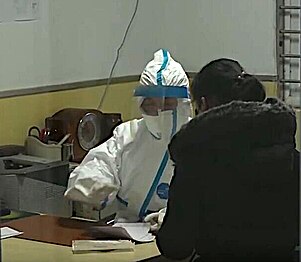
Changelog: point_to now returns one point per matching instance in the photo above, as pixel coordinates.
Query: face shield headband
(160, 91)
(161, 112)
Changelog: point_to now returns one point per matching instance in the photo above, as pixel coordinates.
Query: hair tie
(242, 75)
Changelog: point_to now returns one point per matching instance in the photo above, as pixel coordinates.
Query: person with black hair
(222, 81)
(235, 192)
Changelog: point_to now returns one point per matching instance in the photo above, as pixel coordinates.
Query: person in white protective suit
(133, 166)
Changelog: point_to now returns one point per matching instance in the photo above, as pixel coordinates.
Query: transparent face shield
(164, 109)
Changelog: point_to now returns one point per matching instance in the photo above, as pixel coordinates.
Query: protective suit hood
(164, 81)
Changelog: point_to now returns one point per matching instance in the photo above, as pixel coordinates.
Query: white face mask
(162, 125)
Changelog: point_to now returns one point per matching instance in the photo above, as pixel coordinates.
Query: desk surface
(51, 229)
(21, 250)
(48, 238)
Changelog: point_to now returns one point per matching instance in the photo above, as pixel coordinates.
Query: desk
(21, 250)
(42, 232)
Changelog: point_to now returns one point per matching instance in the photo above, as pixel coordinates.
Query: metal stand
(288, 50)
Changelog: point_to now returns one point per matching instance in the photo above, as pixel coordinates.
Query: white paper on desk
(9, 232)
(102, 245)
(137, 231)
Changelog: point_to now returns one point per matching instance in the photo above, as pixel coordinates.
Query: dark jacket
(235, 192)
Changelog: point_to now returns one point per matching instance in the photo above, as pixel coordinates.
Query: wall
(25, 52)
(19, 113)
(298, 133)
(76, 40)
(241, 29)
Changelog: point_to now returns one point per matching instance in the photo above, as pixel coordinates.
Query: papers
(9, 232)
(102, 245)
(126, 231)
(137, 231)
(26, 10)
(19, 10)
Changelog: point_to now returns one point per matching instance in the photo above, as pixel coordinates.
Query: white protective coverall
(133, 165)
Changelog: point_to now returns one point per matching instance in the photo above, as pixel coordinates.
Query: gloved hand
(155, 219)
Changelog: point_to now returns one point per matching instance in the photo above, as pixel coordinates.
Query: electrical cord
(117, 55)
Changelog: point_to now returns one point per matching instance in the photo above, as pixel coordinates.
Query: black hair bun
(249, 88)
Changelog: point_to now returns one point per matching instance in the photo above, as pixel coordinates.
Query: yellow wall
(19, 113)
(298, 116)
(270, 89)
